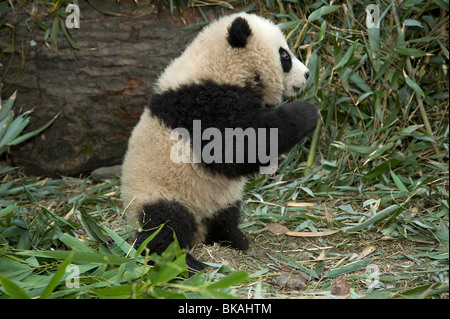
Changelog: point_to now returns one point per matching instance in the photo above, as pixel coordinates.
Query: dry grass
(376, 171)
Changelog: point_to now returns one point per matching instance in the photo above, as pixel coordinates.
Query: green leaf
(443, 4)
(360, 149)
(91, 227)
(410, 52)
(54, 281)
(7, 210)
(401, 187)
(322, 11)
(342, 62)
(423, 291)
(380, 151)
(414, 86)
(7, 106)
(14, 129)
(146, 241)
(360, 82)
(118, 292)
(26, 136)
(102, 10)
(95, 257)
(230, 280)
(382, 168)
(68, 35)
(363, 97)
(336, 272)
(290, 25)
(378, 217)
(164, 272)
(120, 242)
(12, 289)
(408, 130)
(75, 244)
(412, 23)
(54, 33)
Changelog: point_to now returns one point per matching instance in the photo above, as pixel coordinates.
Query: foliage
(383, 97)
(49, 15)
(10, 127)
(42, 251)
(376, 170)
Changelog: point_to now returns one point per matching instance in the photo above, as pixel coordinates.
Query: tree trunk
(99, 91)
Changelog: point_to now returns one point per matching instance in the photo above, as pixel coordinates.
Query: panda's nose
(307, 75)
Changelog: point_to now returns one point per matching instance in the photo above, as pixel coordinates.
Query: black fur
(238, 33)
(223, 228)
(177, 220)
(228, 106)
(286, 61)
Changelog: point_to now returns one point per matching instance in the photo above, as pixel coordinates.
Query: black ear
(238, 33)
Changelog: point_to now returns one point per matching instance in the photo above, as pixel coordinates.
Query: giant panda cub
(223, 82)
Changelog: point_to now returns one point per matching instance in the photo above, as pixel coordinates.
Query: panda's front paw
(235, 239)
(304, 115)
(239, 240)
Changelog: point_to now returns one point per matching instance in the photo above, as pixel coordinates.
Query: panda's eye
(285, 58)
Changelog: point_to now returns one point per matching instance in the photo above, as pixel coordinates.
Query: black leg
(223, 228)
(177, 219)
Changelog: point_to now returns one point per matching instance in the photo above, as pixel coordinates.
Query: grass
(375, 173)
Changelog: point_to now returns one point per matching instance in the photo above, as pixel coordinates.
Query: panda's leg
(177, 219)
(223, 228)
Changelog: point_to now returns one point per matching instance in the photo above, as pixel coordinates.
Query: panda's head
(240, 49)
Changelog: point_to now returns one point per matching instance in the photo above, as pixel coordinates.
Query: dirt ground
(275, 258)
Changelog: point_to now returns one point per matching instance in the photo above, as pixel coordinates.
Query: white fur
(210, 57)
(295, 78)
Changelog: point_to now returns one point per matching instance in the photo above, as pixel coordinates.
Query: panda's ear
(238, 33)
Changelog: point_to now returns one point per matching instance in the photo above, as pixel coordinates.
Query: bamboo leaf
(75, 244)
(54, 33)
(14, 129)
(146, 241)
(410, 52)
(345, 59)
(12, 289)
(230, 280)
(443, 4)
(336, 272)
(68, 35)
(373, 220)
(95, 257)
(118, 291)
(28, 135)
(7, 210)
(169, 270)
(322, 11)
(413, 85)
(402, 188)
(7, 106)
(54, 281)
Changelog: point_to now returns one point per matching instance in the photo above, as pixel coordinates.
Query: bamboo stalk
(313, 148)
(423, 112)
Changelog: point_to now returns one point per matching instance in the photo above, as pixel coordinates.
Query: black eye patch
(286, 62)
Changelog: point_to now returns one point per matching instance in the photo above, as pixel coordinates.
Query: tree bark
(99, 91)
